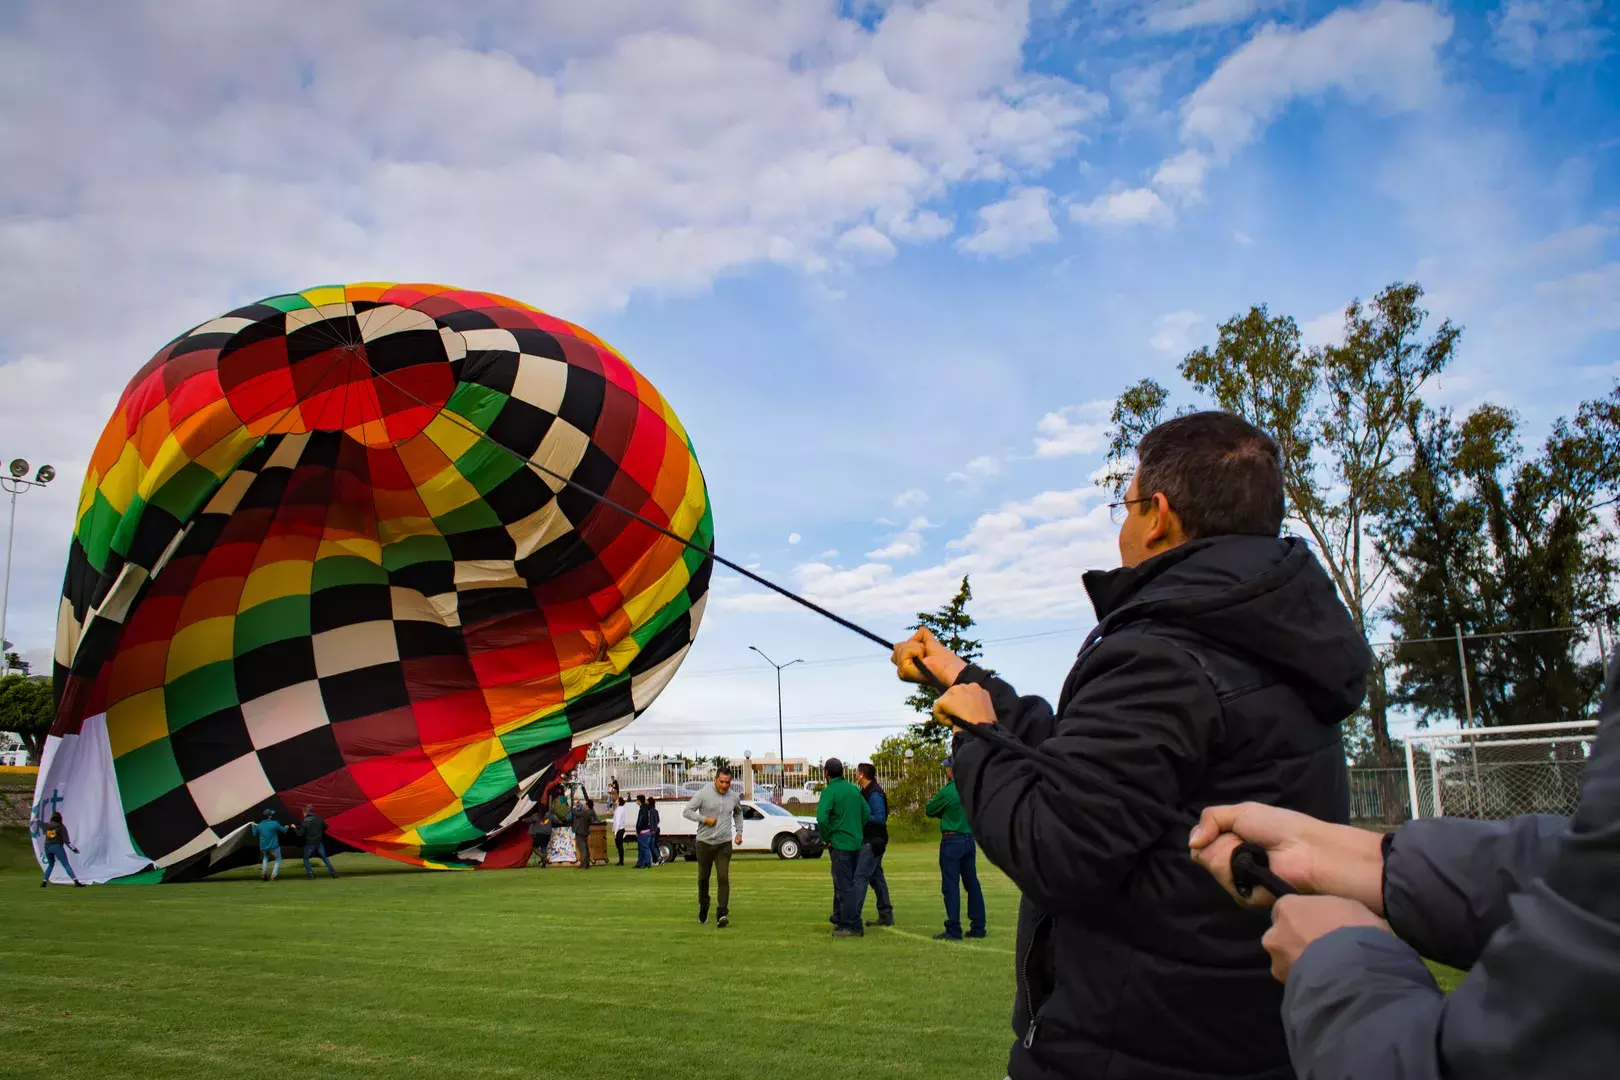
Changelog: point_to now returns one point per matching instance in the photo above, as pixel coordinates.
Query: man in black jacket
(314, 829)
(874, 842)
(1220, 668)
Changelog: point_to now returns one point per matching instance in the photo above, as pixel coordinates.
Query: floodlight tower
(15, 484)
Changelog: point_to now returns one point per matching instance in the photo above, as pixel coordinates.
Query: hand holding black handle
(1251, 866)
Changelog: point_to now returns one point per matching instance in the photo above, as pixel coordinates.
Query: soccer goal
(1498, 772)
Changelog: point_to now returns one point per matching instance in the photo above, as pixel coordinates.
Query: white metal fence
(1473, 772)
(799, 784)
(1498, 772)
(1379, 795)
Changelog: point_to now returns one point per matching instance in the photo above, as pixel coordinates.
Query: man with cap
(314, 829)
(269, 831)
(841, 816)
(958, 860)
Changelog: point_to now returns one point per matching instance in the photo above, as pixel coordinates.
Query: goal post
(1498, 772)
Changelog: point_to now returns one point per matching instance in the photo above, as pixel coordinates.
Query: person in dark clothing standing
(643, 832)
(582, 818)
(958, 861)
(874, 842)
(841, 815)
(654, 823)
(1220, 668)
(1527, 906)
(540, 834)
(57, 845)
(314, 829)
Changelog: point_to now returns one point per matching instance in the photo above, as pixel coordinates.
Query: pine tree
(950, 625)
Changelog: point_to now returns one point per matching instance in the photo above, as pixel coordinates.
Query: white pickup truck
(766, 827)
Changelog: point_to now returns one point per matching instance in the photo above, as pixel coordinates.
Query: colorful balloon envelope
(324, 556)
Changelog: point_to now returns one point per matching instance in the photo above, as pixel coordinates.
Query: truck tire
(787, 847)
(666, 851)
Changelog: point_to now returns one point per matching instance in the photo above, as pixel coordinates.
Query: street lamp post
(15, 485)
(781, 742)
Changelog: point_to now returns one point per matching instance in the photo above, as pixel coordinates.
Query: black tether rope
(1248, 870)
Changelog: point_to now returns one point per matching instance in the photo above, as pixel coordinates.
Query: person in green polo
(841, 814)
(958, 858)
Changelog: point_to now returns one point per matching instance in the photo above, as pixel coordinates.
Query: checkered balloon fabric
(324, 556)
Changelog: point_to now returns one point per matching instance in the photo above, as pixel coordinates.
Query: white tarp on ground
(76, 779)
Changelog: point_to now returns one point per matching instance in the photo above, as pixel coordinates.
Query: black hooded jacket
(1218, 672)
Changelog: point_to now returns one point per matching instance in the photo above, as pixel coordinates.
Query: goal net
(1498, 772)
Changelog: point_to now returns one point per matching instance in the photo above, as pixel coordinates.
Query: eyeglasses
(1116, 510)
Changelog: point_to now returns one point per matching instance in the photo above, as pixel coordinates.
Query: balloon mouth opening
(379, 379)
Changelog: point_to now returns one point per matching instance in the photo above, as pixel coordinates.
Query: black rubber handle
(1251, 866)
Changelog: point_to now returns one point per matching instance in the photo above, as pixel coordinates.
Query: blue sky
(889, 261)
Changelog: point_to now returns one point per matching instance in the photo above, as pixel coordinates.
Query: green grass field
(391, 971)
(558, 973)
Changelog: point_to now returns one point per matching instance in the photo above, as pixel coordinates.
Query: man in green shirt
(957, 861)
(841, 814)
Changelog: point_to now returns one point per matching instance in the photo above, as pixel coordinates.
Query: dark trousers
(618, 842)
(317, 849)
(582, 840)
(958, 869)
(869, 872)
(718, 857)
(846, 913)
(643, 849)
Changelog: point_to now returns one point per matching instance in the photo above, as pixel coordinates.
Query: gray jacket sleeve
(1447, 880)
(1534, 903)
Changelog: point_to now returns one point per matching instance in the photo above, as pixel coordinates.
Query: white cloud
(865, 241)
(1183, 175)
(980, 468)
(1383, 55)
(1173, 16)
(1013, 225)
(793, 538)
(911, 499)
(1590, 298)
(572, 155)
(1026, 558)
(1242, 237)
(1140, 90)
(830, 553)
(1326, 329)
(1172, 333)
(905, 543)
(1136, 206)
(921, 226)
(1548, 33)
(896, 549)
(1078, 429)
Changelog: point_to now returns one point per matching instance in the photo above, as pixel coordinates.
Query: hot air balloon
(348, 548)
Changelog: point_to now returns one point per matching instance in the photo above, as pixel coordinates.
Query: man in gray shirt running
(718, 813)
